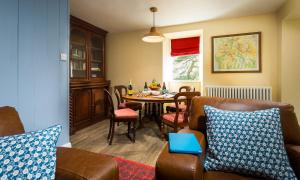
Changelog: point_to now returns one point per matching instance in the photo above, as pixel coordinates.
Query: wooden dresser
(87, 74)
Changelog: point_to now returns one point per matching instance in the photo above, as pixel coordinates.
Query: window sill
(189, 81)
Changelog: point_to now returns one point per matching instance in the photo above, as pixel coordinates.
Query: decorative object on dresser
(236, 53)
(87, 74)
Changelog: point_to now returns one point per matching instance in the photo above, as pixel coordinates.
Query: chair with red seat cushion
(121, 90)
(182, 107)
(120, 115)
(179, 119)
(170, 117)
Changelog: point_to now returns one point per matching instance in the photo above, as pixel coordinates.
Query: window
(186, 68)
(183, 61)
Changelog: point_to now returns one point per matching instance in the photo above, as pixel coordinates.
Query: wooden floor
(145, 150)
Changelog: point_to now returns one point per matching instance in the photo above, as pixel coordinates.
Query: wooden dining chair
(181, 106)
(120, 115)
(178, 119)
(121, 90)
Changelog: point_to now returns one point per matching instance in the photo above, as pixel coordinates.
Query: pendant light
(153, 36)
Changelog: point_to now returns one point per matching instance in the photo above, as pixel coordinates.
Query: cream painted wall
(291, 64)
(290, 10)
(130, 58)
(289, 56)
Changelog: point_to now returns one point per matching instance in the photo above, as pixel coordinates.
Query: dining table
(154, 105)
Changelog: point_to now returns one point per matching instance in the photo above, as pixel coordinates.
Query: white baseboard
(69, 145)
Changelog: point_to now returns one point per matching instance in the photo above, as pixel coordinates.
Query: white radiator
(240, 92)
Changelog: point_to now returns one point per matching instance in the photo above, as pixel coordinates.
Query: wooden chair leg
(133, 131)
(149, 109)
(112, 133)
(153, 109)
(109, 132)
(128, 129)
(146, 109)
(167, 109)
(176, 129)
(162, 129)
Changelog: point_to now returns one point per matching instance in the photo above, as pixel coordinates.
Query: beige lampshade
(153, 36)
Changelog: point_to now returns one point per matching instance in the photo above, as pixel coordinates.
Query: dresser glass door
(78, 64)
(97, 56)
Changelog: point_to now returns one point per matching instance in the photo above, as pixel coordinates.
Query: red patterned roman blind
(185, 46)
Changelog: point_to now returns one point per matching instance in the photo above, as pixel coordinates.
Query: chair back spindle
(185, 89)
(188, 96)
(120, 90)
(111, 108)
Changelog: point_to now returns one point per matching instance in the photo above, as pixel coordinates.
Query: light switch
(63, 57)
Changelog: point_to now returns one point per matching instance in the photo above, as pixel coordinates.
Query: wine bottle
(130, 89)
(145, 87)
(164, 86)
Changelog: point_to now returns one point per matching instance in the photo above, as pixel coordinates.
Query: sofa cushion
(290, 126)
(171, 117)
(250, 143)
(29, 156)
(125, 113)
(78, 164)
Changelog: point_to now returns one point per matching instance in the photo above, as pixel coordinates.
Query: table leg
(162, 108)
(146, 109)
(149, 109)
(153, 109)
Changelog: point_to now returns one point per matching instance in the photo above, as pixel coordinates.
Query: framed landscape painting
(236, 53)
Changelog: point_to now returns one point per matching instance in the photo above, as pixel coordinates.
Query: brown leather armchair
(72, 164)
(184, 166)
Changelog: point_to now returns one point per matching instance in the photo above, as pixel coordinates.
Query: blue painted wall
(33, 33)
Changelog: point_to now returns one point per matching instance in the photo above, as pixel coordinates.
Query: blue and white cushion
(29, 156)
(249, 143)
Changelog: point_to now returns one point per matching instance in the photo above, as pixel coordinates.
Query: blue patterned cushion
(249, 143)
(29, 156)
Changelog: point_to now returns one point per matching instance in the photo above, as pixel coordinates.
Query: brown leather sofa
(71, 164)
(184, 166)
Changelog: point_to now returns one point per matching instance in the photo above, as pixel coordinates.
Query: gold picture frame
(236, 53)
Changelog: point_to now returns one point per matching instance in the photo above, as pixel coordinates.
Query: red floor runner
(131, 170)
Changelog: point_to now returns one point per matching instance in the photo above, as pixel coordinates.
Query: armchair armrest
(293, 152)
(76, 164)
(181, 166)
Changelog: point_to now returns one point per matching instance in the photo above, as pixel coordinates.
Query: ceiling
(129, 15)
